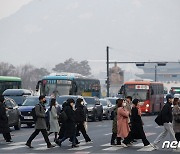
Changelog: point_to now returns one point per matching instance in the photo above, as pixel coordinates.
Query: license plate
(28, 117)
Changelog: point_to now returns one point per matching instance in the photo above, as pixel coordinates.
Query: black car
(18, 95)
(95, 108)
(26, 108)
(13, 113)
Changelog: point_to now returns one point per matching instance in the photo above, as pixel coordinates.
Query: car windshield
(18, 99)
(90, 101)
(32, 101)
(103, 102)
(112, 100)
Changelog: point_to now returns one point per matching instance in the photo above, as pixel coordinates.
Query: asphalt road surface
(99, 132)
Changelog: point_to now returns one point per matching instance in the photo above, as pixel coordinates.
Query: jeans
(167, 129)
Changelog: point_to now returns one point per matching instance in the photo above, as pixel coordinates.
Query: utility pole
(155, 79)
(107, 81)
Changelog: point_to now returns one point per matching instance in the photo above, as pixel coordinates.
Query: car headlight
(147, 105)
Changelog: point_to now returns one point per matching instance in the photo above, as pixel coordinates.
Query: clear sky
(47, 32)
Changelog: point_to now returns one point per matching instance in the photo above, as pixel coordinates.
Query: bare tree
(6, 69)
(73, 66)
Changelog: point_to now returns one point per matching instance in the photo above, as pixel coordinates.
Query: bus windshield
(141, 94)
(56, 87)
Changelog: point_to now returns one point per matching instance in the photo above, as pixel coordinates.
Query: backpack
(158, 119)
(63, 116)
(33, 113)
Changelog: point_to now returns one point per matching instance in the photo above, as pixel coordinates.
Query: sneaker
(154, 146)
(50, 146)
(29, 145)
(124, 145)
(91, 141)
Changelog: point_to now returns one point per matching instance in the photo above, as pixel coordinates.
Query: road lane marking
(81, 148)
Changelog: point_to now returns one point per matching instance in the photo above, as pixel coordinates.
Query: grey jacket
(40, 113)
(176, 112)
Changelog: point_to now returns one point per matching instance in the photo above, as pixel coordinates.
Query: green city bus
(9, 82)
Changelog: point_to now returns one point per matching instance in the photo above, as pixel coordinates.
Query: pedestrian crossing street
(83, 147)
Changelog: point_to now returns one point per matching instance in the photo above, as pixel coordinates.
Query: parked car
(95, 108)
(26, 108)
(107, 108)
(13, 113)
(18, 95)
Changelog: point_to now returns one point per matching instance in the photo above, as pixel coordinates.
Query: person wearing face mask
(40, 124)
(167, 122)
(81, 118)
(137, 131)
(122, 120)
(70, 124)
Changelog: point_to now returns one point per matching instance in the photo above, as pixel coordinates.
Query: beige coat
(40, 113)
(54, 125)
(176, 112)
(122, 122)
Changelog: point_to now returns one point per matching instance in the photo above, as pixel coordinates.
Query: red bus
(150, 94)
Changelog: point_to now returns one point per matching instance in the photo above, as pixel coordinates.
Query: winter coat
(80, 114)
(70, 125)
(114, 125)
(176, 112)
(167, 113)
(122, 122)
(40, 113)
(54, 125)
(136, 124)
(4, 127)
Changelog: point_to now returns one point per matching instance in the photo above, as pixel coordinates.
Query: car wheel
(29, 125)
(108, 116)
(94, 117)
(18, 126)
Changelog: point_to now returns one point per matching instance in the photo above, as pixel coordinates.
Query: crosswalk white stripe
(81, 148)
(146, 149)
(17, 143)
(150, 134)
(108, 134)
(13, 147)
(114, 148)
(106, 145)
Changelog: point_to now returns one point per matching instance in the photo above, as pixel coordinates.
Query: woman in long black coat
(81, 118)
(69, 124)
(4, 127)
(137, 131)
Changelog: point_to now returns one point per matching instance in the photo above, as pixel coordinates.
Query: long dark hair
(53, 103)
